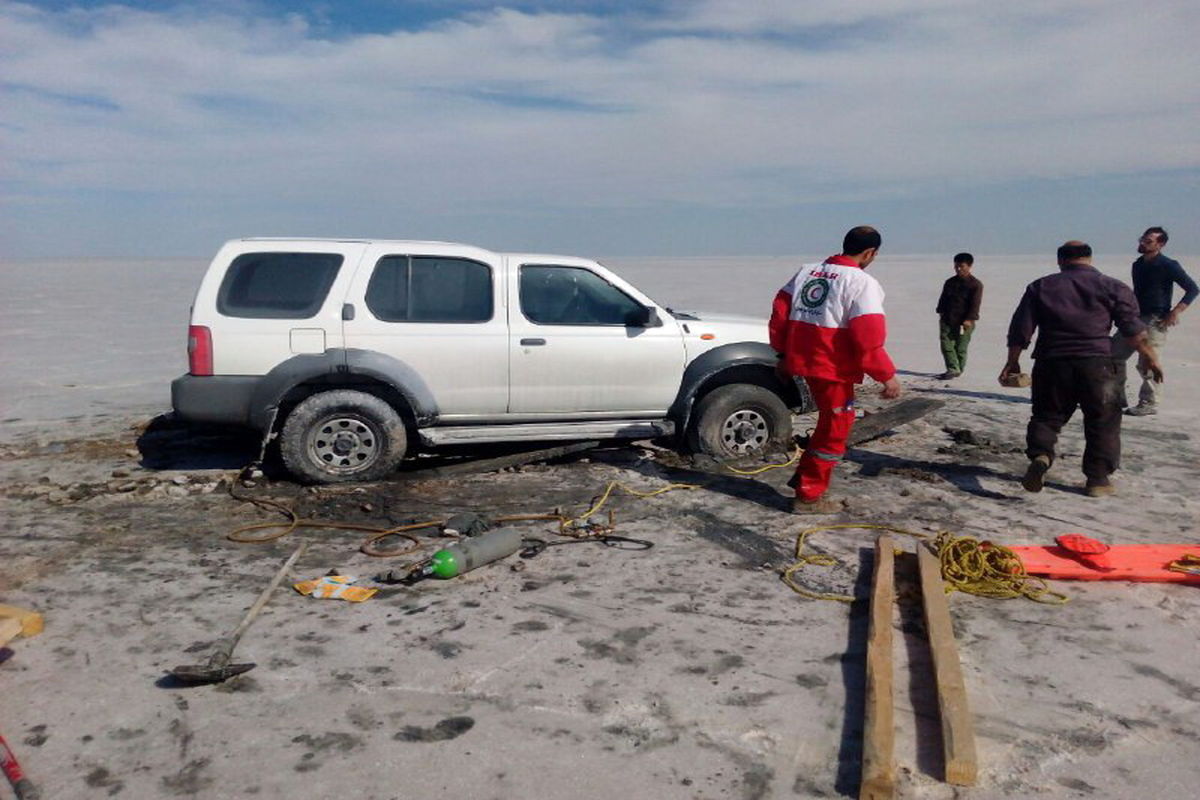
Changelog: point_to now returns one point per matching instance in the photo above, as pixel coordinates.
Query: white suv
(353, 351)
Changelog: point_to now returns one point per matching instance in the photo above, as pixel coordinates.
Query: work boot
(949, 375)
(1142, 410)
(822, 505)
(1036, 474)
(1099, 487)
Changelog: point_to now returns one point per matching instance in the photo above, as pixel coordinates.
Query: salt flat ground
(685, 671)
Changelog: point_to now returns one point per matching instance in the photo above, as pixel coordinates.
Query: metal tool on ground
(468, 554)
(218, 668)
(25, 788)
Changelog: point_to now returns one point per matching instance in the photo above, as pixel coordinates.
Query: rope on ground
(570, 527)
(295, 521)
(968, 565)
(573, 526)
(759, 470)
(987, 569)
(823, 560)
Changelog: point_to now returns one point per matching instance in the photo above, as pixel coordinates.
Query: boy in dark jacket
(958, 309)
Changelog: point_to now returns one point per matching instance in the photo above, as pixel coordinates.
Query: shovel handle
(261, 601)
(24, 787)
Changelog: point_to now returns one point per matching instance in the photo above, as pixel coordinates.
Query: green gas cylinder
(466, 555)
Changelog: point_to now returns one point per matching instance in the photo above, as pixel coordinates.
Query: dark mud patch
(621, 648)
(339, 742)
(530, 626)
(444, 731)
(101, 778)
(1184, 689)
(189, 780)
(812, 681)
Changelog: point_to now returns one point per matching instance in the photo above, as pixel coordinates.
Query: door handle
(532, 342)
(347, 312)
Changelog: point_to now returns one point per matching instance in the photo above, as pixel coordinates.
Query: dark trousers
(1060, 385)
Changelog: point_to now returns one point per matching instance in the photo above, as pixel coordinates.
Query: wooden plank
(879, 733)
(31, 621)
(881, 421)
(958, 730)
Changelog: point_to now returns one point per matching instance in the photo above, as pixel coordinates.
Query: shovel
(218, 668)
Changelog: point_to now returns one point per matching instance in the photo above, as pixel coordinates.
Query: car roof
(545, 258)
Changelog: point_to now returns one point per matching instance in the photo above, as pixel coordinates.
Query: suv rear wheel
(740, 419)
(342, 435)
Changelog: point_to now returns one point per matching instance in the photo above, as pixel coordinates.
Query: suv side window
(277, 285)
(430, 289)
(553, 295)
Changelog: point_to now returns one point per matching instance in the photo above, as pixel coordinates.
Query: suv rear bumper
(214, 398)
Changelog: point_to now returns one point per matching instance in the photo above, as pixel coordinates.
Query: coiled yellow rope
(968, 565)
(987, 569)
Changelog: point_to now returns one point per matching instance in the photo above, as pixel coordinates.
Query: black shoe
(1142, 410)
(1036, 474)
(949, 375)
(1099, 487)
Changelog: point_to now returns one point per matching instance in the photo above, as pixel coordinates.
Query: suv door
(439, 309)
(577, 346)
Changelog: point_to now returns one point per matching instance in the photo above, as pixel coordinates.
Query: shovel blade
(208, 673)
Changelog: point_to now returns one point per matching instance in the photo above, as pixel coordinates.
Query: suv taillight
(200, 354)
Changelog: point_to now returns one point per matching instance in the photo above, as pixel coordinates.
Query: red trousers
(835, 418)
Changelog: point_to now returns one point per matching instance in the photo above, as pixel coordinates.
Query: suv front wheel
(342, 435)
(740, 419)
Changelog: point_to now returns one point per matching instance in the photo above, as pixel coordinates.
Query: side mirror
(643, 317)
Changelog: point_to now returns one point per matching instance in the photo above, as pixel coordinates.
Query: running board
(548, 431)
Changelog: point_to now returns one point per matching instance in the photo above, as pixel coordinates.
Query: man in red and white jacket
(828, 326)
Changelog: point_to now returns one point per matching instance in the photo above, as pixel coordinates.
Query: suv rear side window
(553, 295)
(277, 285)
(430, 289)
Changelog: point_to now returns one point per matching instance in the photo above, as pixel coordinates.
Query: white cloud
(716, 103)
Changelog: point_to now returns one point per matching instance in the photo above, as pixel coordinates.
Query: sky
(668, 127)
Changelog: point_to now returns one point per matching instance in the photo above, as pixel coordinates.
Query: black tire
(738, 420)
(342, 435)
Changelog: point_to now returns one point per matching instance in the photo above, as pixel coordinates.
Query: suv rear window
(430, 289)
(277, 285)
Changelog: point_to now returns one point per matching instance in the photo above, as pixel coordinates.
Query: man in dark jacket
(1154, 278)
(958, 309)
(1074, 311)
